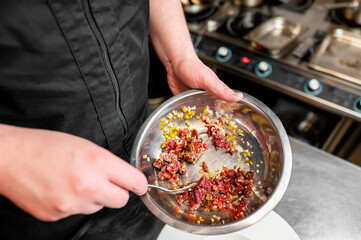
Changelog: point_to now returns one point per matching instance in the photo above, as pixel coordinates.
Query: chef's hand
(189, 73)
(170, 37)
(52, 175)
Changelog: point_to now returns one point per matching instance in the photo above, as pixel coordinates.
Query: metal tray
(339, 54)
(276, 36)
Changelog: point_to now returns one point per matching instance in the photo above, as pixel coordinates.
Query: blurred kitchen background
(302, 58)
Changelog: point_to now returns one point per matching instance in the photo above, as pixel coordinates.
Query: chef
(73, 93)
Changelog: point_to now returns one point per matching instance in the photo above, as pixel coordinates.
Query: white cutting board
(272, 226)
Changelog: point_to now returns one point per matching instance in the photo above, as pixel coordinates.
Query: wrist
(178, 59)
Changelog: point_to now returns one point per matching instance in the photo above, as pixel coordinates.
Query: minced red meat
(187, 146)
(216, 131)
(225, 192)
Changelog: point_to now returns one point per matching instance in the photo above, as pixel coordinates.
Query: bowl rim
(257, 215)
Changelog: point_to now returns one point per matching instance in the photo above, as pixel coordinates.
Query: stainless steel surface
(348, 4)
(215, 21)
(353, 13)
(174, 191)
(351, 9)
(337, 135)
(248, 3)
(197, 6)
(275, 36)
(316, 18)
(322, 201)
(340, 55)
(194, 9)
(271, 157)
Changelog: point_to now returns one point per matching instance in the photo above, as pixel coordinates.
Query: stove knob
(313, 87)
(357, 105)
(263, 69)
(212, 25)
(223, 54)
(263, 66)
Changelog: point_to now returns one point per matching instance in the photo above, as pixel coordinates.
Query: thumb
(219, 89)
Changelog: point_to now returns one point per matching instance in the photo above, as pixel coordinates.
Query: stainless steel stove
(299, 49)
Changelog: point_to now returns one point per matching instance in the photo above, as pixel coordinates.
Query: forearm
(172, 42)
(168, 31)
(7, 149)
(18, 143)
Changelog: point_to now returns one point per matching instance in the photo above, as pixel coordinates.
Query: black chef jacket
(80, 67)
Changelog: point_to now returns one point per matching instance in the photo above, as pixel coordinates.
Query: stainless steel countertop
(323, 197)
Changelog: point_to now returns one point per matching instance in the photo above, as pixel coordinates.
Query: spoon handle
(174, 191)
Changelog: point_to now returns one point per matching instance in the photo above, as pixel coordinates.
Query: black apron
(79, 67)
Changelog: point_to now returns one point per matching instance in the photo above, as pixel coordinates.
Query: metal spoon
(175, 191)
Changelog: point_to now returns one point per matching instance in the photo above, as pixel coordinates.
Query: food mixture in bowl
(238, 152)
(228, 189)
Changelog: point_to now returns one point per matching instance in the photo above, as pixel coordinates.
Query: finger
(126, 176)
(112, 196)
(51, 213)
(212, 84)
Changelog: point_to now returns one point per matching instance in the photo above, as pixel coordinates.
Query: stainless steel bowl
(271, 158)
